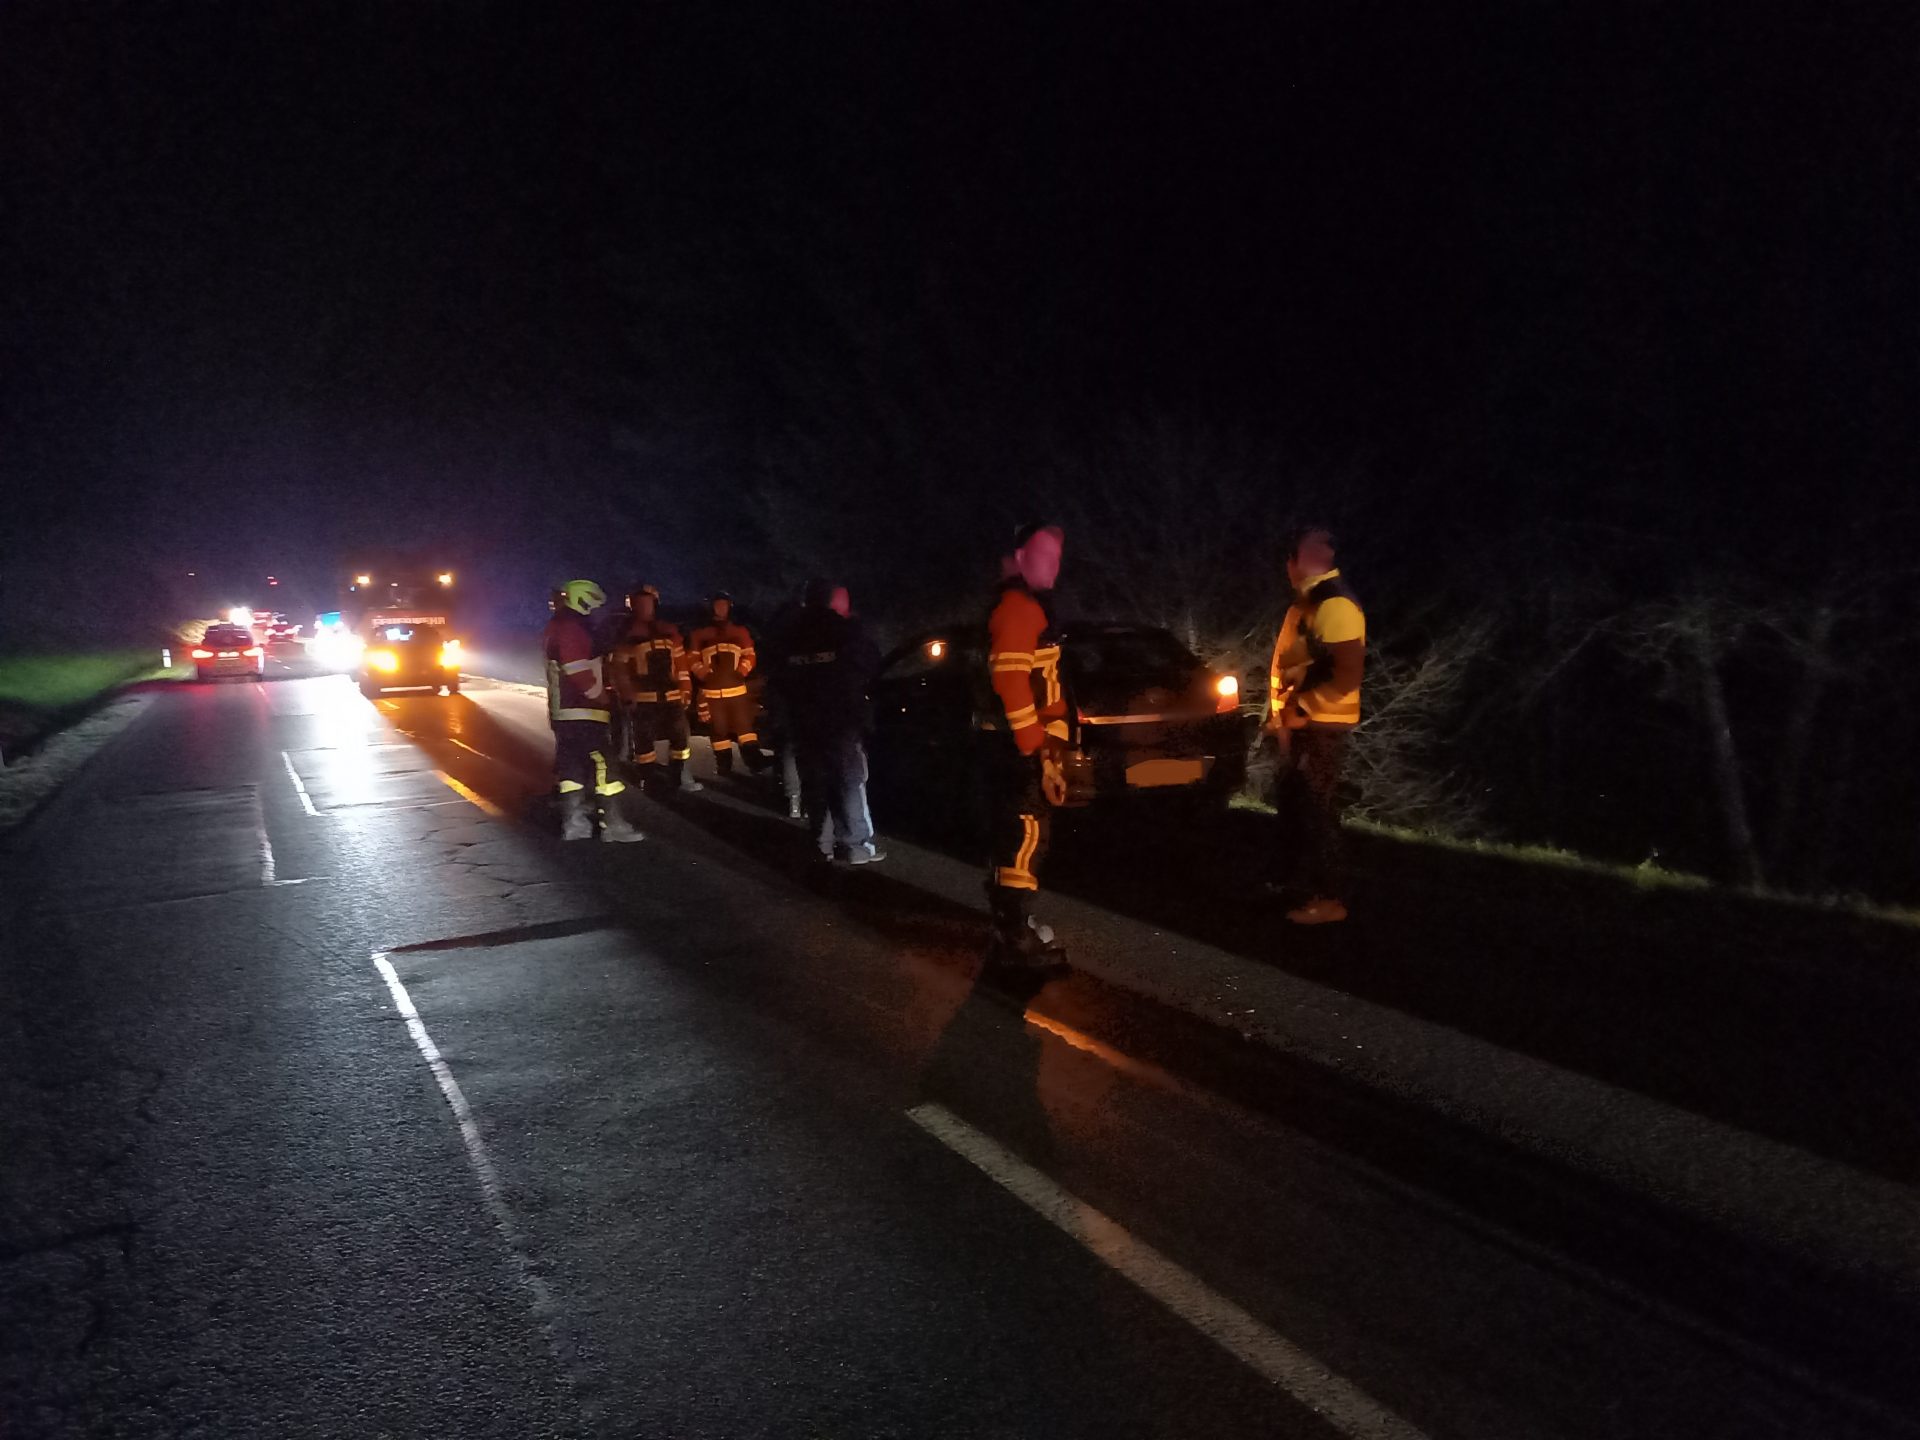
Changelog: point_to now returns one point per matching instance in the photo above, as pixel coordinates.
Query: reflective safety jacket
(1306, 670)
(722, 657)
(650, 663)
(576, 674)
(1023, 661)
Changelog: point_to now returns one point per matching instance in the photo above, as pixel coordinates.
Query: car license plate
(1166, 771)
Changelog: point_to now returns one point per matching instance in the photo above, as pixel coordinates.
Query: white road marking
(267, 876)
(492, 1193)
(298, 788)
(1341, 1404)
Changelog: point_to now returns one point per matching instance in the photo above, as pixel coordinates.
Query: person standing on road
(1025, 769)
(578, 705)
(722, 657)
(828, 663)
(1313, 704)
(650, 673)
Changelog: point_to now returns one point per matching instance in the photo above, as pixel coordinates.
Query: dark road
(341, 1102)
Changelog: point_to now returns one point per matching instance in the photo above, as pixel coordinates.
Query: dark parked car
(1149, 720)
(407, 656)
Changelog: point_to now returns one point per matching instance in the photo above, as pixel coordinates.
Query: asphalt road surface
(340, 1100)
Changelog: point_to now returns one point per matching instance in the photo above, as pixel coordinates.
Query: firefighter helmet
(640, 592)
(583, 597)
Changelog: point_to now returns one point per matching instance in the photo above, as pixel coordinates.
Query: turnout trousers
(1019, 819)
(730, 726)
(651, 721)
(1307, 794)
(581, 751)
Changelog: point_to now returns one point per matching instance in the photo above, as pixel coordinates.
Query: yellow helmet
(583, 596)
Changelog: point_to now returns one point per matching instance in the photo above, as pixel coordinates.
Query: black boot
(1019, 942)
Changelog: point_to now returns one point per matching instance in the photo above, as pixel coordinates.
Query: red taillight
(203, 654)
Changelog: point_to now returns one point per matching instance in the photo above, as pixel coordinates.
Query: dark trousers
(580, 752)
(651, 721)
(730, 727)
(1019, 819)
(1308, 796)
(833, 788)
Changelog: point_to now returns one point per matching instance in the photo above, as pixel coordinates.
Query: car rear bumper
(226, 669)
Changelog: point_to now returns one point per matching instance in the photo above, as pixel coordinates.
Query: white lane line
(267, 875)
(1341, 1404)
(298, 788)
(492, 1193)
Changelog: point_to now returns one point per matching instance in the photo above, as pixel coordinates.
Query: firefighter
(721, 656)
(578, 704)
(1026, 714)
(650, 673)
(1313, 704)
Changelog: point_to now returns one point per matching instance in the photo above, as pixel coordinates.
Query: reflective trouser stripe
(602, 784)
(686, 754)
(750, 738)
(726, 694)
(649, 756)
(601, 716)
(567, 787)
(723, 744)
(1019, 875)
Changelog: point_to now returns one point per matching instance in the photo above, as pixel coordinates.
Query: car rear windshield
(409, 634)
(228, 635)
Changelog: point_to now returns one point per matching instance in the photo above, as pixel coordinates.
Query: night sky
(661, 286)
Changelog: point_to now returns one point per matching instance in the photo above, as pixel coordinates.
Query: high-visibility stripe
(750, 738)
(647, 756)
(578, 714)
(1026, 715)
(1012, 663)
(1023, 862)
(1014, 880)
(580, 667)
(683, 754)
(567, 787)
(726, 694)
(612, 787)
(723, 744)
(1057, 729)
(1330, 712)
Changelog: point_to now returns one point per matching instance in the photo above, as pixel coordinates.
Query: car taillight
(255, 650)
(450, 654)
(1226, 691)
(203, 654)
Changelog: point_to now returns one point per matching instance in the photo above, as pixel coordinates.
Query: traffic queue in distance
(1041, 716)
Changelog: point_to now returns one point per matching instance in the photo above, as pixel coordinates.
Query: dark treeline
(1591, 328)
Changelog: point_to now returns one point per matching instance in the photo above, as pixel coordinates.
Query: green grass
(54, 682)
(1647, 875)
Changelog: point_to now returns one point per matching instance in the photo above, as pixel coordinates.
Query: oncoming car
(409, 654)
(1149, 720)
(229, 652)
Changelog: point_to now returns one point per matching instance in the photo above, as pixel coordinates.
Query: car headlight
(383, 660)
